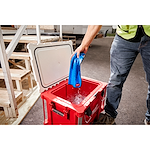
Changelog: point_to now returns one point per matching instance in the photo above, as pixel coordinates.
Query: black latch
(88, 112)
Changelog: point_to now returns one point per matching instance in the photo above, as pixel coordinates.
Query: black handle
(58, 112)
(103, 92)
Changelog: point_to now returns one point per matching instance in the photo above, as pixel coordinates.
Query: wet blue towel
(74, 73)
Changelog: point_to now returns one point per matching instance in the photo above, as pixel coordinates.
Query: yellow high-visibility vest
(129, 31)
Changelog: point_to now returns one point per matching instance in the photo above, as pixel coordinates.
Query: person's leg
(145, 54)
(123, 54)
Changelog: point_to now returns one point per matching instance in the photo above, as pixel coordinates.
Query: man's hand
(79, 50)
(91, 32)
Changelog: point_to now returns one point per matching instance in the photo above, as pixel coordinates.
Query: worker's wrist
(84, 46)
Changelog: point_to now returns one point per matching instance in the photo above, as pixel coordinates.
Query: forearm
(92, 31)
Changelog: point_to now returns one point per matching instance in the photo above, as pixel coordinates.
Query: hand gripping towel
(74, 72)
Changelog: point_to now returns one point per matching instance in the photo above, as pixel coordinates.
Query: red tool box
(62, 103)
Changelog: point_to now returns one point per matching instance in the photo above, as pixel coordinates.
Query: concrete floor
(96, 65)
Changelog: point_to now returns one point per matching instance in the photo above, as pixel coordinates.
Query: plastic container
(62, 103)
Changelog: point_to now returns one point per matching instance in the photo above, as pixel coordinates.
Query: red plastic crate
(61, 109)
(50, 63)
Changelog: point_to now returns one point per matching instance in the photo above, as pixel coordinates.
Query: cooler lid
(50, 62)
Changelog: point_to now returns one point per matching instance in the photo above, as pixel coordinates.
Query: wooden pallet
(19, 75)
(72, 38)
(4, 98)
(12, 111)
(21, 56)
(32, 39)
(23, 109)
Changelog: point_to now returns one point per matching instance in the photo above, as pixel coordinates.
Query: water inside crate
(75, 95)
(77, 98)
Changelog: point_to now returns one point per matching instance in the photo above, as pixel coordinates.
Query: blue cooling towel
(74, 73)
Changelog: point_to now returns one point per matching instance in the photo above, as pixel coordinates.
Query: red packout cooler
(62, 103)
